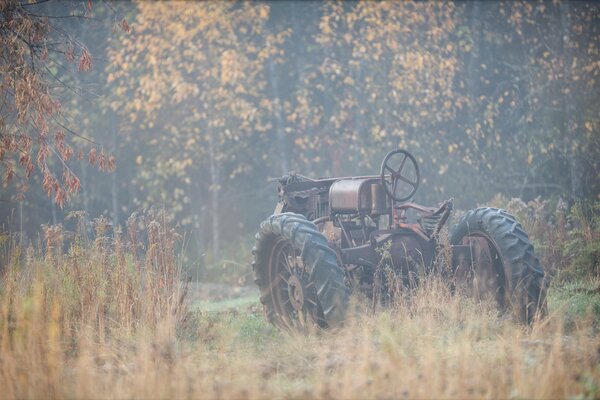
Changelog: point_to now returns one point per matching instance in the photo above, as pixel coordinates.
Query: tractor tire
(520, 278)
(298, 275)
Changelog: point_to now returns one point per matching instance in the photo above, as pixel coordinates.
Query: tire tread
(524, 274)
(328, 277)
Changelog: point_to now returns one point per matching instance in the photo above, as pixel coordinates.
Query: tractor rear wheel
(503, 262)
(301, 285)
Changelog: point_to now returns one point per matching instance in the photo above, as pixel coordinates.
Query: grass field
(108, 319)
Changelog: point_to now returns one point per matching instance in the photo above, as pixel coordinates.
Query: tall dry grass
(566, 239)
(108, 318)
(61, 311)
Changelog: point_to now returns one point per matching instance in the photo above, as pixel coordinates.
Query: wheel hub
(296, 292)
(481, 269)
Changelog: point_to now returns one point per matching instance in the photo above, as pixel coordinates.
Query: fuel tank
(358, 196)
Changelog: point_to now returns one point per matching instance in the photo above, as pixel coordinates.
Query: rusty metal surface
(363, 218)
(333, 234)
(476, 269)
(296, 292)
(351, 195)
(380, 203)
(359, 215)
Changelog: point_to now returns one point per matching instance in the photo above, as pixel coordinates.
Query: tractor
(330, 236)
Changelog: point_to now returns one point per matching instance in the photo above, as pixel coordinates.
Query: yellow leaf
(588, 125)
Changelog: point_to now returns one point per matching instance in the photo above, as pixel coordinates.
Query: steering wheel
(399, 178)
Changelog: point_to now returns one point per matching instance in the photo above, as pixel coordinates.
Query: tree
(538, 101)
(385, 77)
(193, 80)
(200, 103)
(32, 130)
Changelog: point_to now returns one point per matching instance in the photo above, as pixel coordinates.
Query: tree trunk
(53, 209)
(199, 231)
(114, 183)
(214, 190)
(334, 154)
(571, 125)
(84, 189)
(279, 123)
(472, 75)
(21, 223)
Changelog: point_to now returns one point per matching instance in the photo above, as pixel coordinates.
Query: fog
(201, 103)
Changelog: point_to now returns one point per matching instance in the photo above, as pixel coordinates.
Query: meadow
(111, 314)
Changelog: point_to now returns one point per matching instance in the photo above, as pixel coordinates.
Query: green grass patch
(576, 300)
(225, 305)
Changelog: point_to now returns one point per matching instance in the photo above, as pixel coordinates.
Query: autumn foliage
(113, 317)
(201, 104)
(32, 129)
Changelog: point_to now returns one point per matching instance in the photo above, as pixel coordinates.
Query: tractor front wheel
(301, 285)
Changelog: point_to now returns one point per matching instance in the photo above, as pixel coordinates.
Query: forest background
(199, 104)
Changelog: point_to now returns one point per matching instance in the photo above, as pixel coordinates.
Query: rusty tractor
(330, 236)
